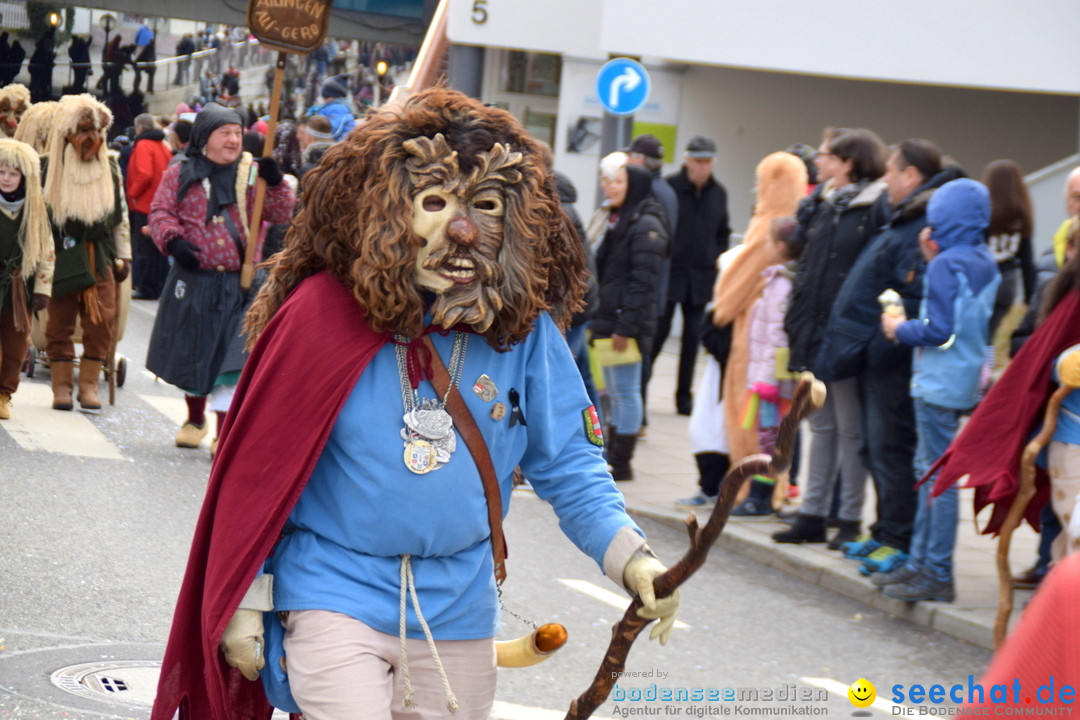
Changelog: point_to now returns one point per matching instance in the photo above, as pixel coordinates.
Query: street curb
(838, 575)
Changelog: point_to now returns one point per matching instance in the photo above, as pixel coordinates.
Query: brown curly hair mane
(356, 214)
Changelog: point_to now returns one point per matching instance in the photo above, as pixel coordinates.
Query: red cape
(293, 386)
(990, 445)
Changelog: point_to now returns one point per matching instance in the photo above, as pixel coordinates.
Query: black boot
(806, 529)
(848, 531)
(620, 453)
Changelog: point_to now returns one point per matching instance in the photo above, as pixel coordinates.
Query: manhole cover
(120, 682)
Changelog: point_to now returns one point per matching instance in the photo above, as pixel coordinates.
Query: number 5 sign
(479, 11)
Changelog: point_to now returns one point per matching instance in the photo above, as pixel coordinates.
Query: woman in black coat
(835, 224)
(628, 262)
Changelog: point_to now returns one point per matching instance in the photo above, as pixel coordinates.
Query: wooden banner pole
(247, 271)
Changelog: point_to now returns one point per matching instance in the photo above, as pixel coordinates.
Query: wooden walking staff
(809, 396)
(1024, 493)
(298, 27)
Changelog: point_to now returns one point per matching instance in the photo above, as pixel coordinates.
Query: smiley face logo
(862, 693)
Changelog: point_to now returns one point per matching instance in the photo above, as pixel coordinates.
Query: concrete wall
(977, 43)
(753, 113)
(1047, 188)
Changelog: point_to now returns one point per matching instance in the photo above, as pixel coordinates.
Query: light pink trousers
(341, 669)
(1063, 460)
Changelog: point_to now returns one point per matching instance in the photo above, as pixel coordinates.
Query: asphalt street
(97, 514)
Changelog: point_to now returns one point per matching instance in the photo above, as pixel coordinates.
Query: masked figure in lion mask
(407, 358)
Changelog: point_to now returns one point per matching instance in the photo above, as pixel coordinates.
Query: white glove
(242, 642)
(638, 578)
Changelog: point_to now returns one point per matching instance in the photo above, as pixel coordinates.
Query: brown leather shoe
(1027, 580)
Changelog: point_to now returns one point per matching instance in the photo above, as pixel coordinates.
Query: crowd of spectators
(806, 291)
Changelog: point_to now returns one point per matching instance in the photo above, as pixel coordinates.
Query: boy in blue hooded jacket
(950, 336)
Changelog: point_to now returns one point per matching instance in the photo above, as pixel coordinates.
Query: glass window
(532, 73)
(541, 126)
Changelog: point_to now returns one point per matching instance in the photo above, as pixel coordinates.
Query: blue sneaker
(701, 501)
(883, 560)
(858, 549)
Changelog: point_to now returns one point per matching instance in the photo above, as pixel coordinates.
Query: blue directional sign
(623, 86)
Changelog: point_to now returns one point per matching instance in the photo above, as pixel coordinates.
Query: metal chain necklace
(429, 430)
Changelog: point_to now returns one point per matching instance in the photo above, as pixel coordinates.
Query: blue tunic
(362, 508)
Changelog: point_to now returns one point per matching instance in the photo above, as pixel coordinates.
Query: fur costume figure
(781, 183)
(79, 189)
(431, 236)
(35, 125)
(14, 100)
(83, 191)
(26, 259)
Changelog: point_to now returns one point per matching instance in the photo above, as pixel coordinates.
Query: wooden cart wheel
(121, 371)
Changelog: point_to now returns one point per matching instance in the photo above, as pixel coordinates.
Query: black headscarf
(197, 167)
(638, 187)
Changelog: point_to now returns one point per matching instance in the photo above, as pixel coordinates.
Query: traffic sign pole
(615, 132)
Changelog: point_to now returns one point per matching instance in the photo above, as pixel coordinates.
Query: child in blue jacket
(950, 337)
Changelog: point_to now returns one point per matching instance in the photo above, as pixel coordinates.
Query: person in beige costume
(26, 259)
(781, 183)
(35, 125)
(84, 194)
(14, 100)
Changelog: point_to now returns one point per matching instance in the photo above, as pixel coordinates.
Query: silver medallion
(420, 456)
(429, 422)
(428, 434)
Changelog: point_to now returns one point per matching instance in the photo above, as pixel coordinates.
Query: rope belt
(407, 582)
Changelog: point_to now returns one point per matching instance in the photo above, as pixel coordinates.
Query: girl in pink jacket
(768, 385)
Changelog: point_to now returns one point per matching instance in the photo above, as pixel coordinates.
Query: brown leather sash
(474, 440)
(19, 304)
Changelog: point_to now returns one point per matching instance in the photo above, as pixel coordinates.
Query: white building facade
(985, 79)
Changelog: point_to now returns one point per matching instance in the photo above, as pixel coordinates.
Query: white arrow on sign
(628, 81)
